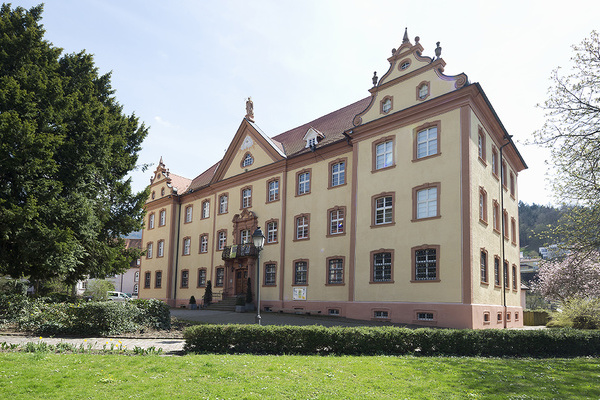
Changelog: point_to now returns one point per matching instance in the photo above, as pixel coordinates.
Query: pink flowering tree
(575, 276)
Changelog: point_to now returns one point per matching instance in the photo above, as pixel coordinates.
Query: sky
(185, 67)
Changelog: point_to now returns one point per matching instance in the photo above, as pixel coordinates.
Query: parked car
(118, 296)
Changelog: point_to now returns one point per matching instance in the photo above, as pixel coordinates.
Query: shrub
(97, 289)
(305, 340)
(154, 314)
(578, 313)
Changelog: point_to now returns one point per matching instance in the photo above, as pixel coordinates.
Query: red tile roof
(291, 142)
(179, 182)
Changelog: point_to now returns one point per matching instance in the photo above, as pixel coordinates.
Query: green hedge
(306, 340)
(87, 318)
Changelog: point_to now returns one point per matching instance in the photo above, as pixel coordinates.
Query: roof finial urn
(438, 50)
(375, 78)
(249, 109)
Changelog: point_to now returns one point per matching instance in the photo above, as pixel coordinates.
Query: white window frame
(245, 236)
(300, 273)
(160, 252)
(188, 214)
(248, 160)
(427, 203)
(336, 222)
(304, 183)
(163, 218)
(274, 190)
(384, 210)
(427, 142)
(272, 232)
(204, 244)
(302, 228)
(382, 267)
(205, 209)
(246, 198)
(335, 271)
(426, 260)
(223, 202)
(187, 245)
(384, 156)
(222, 240)
(338, 174)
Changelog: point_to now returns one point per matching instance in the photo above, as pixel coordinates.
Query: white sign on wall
(299, 293)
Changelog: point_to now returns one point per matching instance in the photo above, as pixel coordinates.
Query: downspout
(504, 271)
(177, 251)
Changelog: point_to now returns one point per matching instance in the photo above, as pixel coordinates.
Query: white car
(118, 296)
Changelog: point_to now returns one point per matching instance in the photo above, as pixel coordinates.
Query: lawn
(83, 376)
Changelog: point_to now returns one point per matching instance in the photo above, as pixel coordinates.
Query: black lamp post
(259, 240)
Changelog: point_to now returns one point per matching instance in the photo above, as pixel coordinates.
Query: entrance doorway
(241, 279)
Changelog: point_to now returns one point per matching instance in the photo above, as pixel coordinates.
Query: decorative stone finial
(375, 78)
(250, 109)
(393, 51)
(417, 39)
(438, 50)
(405, 38)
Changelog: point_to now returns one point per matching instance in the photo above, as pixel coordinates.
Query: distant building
(551, 251)
(402, 206)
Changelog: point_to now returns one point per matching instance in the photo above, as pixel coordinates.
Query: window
(383, 210)
(161, 248)
(204, 243)
(245, 236)
(185, 278)
(149, 250)
(504, 174)
(404, 65)
(425, 267)
(188, 214)
(382, 266)
(272, 232)
(336, 221)
(486, 317)
(153, 195)
(205, 209)
(381, 314)
(496, 271)
(270, 274)
(427, 142)
(483, 266)
(158, 279)
(147, 278)
(136, 288)
(481, 145)
(311, 142)
(151, 221)
(513, 230)
(514, 277)
(303, 179)
(136, 277)
(220, 277)
(163, 218)
(423, 91)
(512, 184)
(495, 162)
(223, 199)
(496, 216)
(387, 104)
(425, 316)
(248, 160)
(499, 317)
(222, 235)
(505, 223)
(302, 225)
(337, 171)
(201, 277)
(335, 271)
(246, 197)
(482, 205)
(162, 191)
(384, 154)
(333, 311)
(427, 205)
(300, 273)
(273, 190)
(506, 275)
(187, 243)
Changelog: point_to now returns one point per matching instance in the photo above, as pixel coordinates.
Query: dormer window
(404, 65)
(248, 160)
(312, 138)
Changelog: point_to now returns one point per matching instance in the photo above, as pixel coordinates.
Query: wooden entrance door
(241, 279)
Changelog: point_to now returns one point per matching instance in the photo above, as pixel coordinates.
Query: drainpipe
(504, 271)
(177, 251)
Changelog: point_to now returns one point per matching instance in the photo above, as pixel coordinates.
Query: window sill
(426, 157)
(484, 283)
(300, 284)
(383, 169)
(483, 222)
(301, 239)
(335, 284)
(329, 235)
(382, 225)
(425, 219)
(337, 186)
(381, 282)
(482, 161)
(424, 280)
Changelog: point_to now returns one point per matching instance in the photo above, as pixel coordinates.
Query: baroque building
(402, 206)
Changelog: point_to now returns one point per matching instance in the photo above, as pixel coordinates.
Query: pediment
(250, 149)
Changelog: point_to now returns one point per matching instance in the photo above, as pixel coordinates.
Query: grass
(84, 376)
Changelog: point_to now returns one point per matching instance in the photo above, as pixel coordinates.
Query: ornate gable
(411, 79)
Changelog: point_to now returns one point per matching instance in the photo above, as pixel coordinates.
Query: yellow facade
(374, 211)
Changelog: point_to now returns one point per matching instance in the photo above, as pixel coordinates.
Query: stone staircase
(227, 304)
